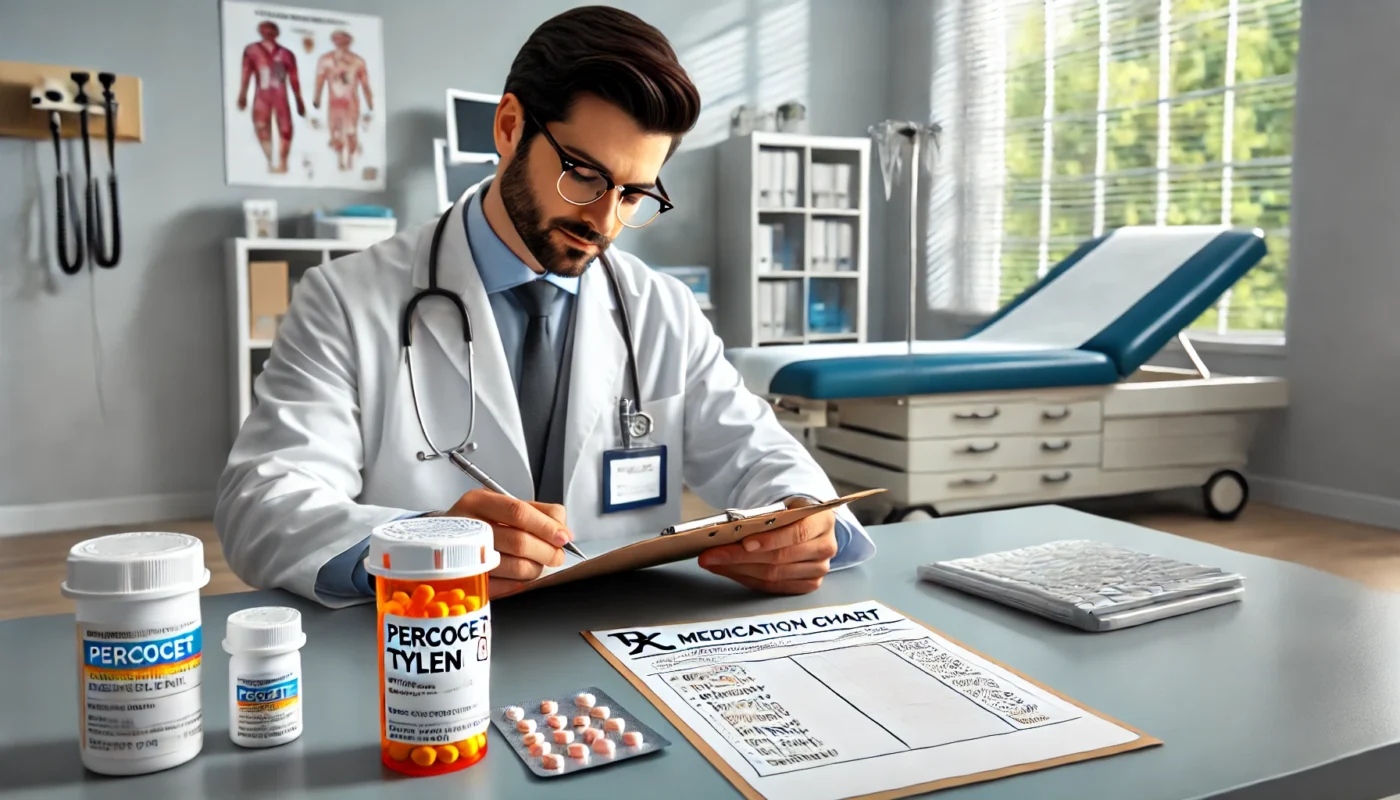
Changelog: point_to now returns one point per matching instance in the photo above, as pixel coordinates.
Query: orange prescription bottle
(434, 616)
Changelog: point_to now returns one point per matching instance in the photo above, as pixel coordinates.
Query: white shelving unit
(247, 354)
(739, 280)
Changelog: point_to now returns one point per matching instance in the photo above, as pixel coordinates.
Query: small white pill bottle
(140, 650)
(264, 675)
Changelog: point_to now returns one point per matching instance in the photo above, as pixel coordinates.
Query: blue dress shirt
(501, 270)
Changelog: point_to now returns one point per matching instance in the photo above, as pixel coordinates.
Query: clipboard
(666, 548)
(1143, 740)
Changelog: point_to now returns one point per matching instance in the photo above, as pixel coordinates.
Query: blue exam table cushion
(939, 373)
(1128, 293)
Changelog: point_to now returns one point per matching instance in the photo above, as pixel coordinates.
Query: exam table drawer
(1035, 485)
(943, 455)
(923, 418)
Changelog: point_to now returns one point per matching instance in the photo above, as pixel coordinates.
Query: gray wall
(1343, 428)
(157, 422)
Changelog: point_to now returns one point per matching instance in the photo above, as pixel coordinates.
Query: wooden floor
(32, 567)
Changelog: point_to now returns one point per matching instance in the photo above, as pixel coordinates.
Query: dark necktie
(539, 369)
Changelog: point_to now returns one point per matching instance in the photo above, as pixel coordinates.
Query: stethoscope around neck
(636, 423)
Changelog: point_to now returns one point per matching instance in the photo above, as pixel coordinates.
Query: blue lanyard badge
(634, 476)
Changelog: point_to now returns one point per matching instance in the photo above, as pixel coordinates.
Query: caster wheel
(911, 514)
(1225, 494)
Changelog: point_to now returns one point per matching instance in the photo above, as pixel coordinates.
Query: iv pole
(884, 134)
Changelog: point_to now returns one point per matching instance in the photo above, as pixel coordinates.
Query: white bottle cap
(264, 631)
(140, 565)
(421, 548)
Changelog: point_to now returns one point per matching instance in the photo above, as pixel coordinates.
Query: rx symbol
(639, 641)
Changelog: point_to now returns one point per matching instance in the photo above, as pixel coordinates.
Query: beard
(524, 213)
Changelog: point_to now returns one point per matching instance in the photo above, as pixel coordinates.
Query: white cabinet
(248, 353)
(793, 222)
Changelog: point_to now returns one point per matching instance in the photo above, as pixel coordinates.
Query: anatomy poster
(303, 97)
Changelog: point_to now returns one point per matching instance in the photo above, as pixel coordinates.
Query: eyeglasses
(582, 183)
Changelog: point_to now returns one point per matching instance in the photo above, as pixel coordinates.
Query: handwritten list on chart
(857, 699)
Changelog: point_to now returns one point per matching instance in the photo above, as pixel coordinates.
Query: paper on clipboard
(852, 701)
(654, 549)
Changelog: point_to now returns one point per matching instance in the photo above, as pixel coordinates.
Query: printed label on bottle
(140, 689)
(269, 706)
(436, 677)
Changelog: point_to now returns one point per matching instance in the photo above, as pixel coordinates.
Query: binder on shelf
(841, 188)
(764, 248)
(791, 179)
(845, 247)
(821, 185)
(833, 243)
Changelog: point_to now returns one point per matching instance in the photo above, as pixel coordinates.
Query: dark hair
(609, 53)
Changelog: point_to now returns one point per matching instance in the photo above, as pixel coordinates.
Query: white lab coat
(330, 449)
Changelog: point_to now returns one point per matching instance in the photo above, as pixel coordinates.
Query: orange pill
(394, 608)
(456, 611)
(401, 598)
(399, 751)
(473, 603)
(424, 756)
(472, 748)
(422, 594)
(447, 753)
(454, 596)
(437, 609)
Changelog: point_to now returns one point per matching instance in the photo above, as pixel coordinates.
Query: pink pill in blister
(581, 721)
(532, 738)
(556, 722)
(515, 713)
(548, 706)
(584, 700)
(603, 746)
(540, 749)
(592, 735)
(525, 726)
(577, 750)
(563, 737)
(601, 712)
(553, 761)
(615, 724)
(632, 738)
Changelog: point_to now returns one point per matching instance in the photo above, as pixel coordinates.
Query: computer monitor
(471, 118)
(453, 179)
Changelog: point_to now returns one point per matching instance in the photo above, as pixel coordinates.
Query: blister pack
(574, 731)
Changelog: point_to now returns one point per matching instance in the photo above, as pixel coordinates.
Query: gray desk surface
(1294, 692)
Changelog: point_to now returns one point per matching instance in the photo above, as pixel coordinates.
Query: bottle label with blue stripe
(269, 705)
(141, 689)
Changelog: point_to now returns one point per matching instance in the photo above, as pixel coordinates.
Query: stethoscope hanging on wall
(92, 230)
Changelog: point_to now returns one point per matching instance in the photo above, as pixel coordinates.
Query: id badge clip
(634, 476)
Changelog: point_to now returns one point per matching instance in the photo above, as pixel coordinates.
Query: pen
(696, 524)
(485, 480)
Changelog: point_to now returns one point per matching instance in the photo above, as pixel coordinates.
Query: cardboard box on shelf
(268, 297)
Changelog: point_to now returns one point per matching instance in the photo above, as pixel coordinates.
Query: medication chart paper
(851, 700)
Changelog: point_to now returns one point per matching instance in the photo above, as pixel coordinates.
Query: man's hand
(792, 559)
(528, 535)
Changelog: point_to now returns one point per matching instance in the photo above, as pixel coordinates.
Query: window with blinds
(1068, 118)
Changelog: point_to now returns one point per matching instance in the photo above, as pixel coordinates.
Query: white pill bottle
(140, 650)
(264, 675)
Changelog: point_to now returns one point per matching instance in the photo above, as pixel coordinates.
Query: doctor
(589, 386)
